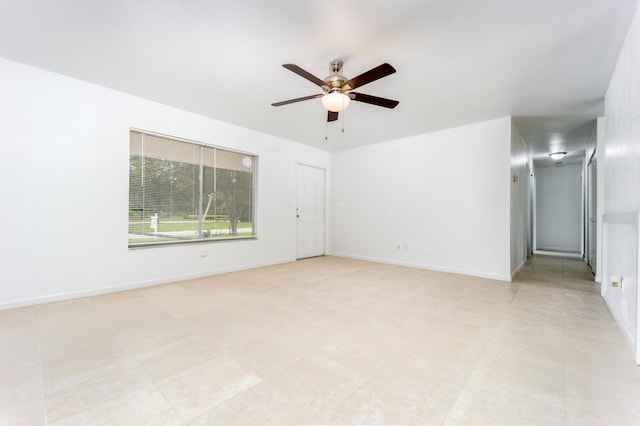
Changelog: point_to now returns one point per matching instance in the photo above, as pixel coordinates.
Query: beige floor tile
(611, 349)
(66, 395)
(598, 312)
(179, 354)
(539, 304)
(600, 362)
(317, 385)
(197, 390)
(420, 316)
(19, 371)
(258, 405)
(368, 357)
(487, 319)
(545, 276)
(112, 300)
(18, 343)
(65, 331)
(144, 406)
(69, 307)
(492, 405)
(540, 328)
(537, 378)
(541, 293)
(537, 349)
(166, 338)
(594, 402)
(325, 340)
(549, 266)
(590, 288)
(88, 376)
(439, 351)
(525, 314)
(466, 329)
(142, 319)
(182, 303)
(596, 327)
(23, 404)
(18, 317)
(233, 328)
(163, 292)
(400, 393)
(19, 360)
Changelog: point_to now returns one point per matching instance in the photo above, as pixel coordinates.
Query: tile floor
(325, 341)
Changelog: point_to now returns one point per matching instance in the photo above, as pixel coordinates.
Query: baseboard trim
(518, 269)
(558, 252)
(20, 303)
(625, 332)
(497, 277)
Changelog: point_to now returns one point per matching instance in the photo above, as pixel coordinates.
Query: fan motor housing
(335, 82)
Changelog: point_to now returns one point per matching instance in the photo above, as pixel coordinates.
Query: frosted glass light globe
(335, 101)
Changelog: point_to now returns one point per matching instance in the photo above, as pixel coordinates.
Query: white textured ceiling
(546, 62)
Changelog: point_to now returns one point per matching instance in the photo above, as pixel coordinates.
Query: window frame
(205, 240)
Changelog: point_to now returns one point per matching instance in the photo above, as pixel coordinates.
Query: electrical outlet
(616, 281)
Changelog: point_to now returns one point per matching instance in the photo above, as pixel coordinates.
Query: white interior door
(310, 212)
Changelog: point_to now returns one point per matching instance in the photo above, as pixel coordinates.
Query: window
(182, 191)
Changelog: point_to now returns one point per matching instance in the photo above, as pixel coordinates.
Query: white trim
(506, 278)
(19, 303)
(518, 269)
(572, 254)
(624, 218)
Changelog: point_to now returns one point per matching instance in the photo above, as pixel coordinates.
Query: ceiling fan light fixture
(335, 101)
(557, 155)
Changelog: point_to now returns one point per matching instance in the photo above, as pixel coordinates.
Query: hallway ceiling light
(558, 155)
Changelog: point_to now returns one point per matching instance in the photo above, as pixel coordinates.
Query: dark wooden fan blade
(331, 116)
(374, 100)
(371, 75)
(291, 101)
(304, 74)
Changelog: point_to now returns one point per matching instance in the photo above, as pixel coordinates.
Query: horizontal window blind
(182, 192)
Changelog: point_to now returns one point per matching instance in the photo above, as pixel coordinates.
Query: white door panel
(310, 212)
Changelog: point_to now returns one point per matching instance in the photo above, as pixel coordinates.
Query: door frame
(591, 213)
(325, 213)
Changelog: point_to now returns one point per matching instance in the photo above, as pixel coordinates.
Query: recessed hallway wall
(558, 204)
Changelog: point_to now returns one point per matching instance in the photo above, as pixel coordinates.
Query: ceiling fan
(338, 89)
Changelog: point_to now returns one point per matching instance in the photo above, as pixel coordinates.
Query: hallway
(325, 340)
(561, 293)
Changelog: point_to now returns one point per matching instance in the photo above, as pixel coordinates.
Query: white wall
(443, 198)
(558, 208)
(64, 186)
(520, 163)
(621, 174)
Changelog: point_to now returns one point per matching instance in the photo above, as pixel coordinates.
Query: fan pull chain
(326, 126)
